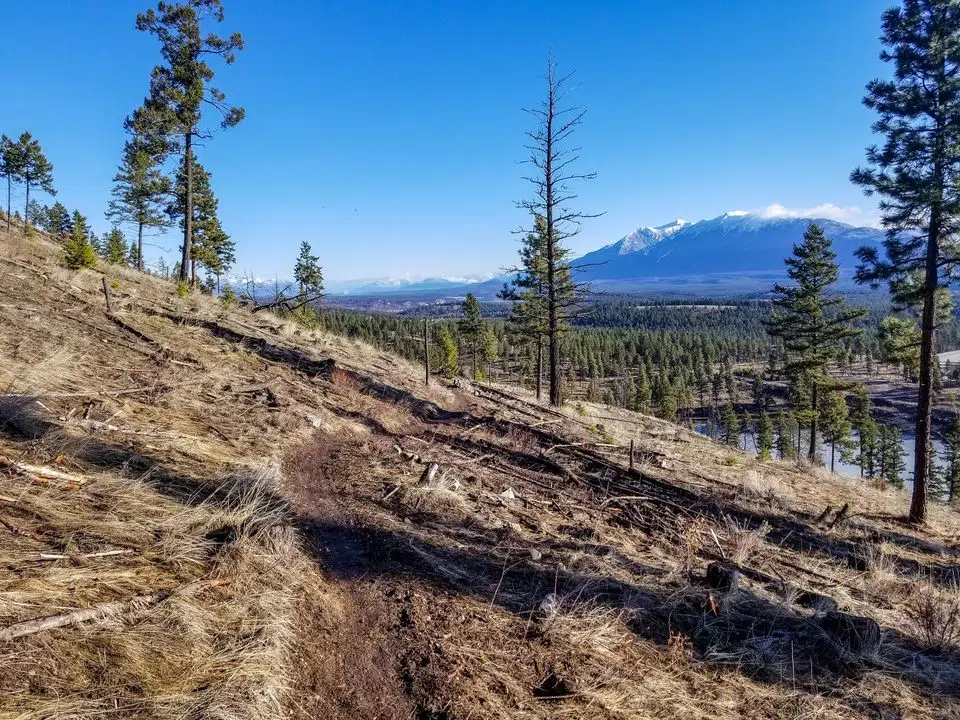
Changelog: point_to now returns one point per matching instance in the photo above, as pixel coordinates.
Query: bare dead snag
(106, 294)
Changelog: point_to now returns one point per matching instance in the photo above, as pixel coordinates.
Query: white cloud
(852, 215)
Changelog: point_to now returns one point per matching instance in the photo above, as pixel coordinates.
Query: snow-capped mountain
(645, 237)
(737, 244)
(406, 283)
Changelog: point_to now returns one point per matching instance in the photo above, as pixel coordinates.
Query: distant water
(839, 466)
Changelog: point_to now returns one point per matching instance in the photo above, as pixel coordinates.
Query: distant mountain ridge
(736, 253)
(735, 243)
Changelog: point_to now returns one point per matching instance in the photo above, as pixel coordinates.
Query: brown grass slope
(530, 575)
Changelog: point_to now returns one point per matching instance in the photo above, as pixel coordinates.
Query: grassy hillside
(266, 521)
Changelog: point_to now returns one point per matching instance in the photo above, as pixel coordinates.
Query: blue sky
(390, 134)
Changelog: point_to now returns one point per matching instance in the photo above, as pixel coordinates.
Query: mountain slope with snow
(734, 244)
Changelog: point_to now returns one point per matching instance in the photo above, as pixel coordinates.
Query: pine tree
(211, 247)
(528, 319)
(180, 87)
(140, 187)
(867, 430)
(552, 179)
(786, 431)
(11, 167)
(470, 327)
(449, 358)
(811, 323)
(58, 220)
(35, 171)
(764, 437)
(489, 350)
(917, 174)
(731, 426)
(900, 344)
(78, 253)
(115, 247)
(891, 455)
(307, 273)
(836, 424)
(950, 485)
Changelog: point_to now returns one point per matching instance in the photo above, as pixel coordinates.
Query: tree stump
(856, 634)
(723, 577)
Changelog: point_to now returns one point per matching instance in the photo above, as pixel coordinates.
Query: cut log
(824, 515)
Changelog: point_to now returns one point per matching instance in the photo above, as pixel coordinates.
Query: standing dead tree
(554, 161)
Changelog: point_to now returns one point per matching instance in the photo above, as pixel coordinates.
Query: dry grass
(217, 653)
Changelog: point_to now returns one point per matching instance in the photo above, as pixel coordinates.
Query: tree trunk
(539, 365)
(426, 353)
(918, 505)
(140, 247)
(9, 199)
(474, 363)
(812, 450)
(552, 319)
(193, 272)
(833, 450)
(187, 208)
(26, 210)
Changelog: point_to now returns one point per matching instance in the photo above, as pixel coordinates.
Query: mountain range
(735, 253)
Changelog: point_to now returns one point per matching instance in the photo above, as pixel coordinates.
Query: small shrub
(228, 298)
(78, 253)
(115, 285)
(580, 409)
(934, 614)
(730, 460)
(182, 290)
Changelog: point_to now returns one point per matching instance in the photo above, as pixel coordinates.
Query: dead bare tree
(554, 163)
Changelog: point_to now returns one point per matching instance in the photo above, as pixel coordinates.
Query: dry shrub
(346, 380)
(933, 612)
(765, 488)
(588, 627)
(742, 541)
(441, 496)
(691, 543)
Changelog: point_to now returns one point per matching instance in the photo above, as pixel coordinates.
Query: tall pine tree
(11, 167)
(35, 171)
(140, 188)
(470, 327)
(811, 323)
(916, 172)
(180, 88)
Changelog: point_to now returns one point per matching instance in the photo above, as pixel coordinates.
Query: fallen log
(99, 612)
(41, 471)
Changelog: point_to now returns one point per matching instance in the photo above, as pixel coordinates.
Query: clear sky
(390, 134)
